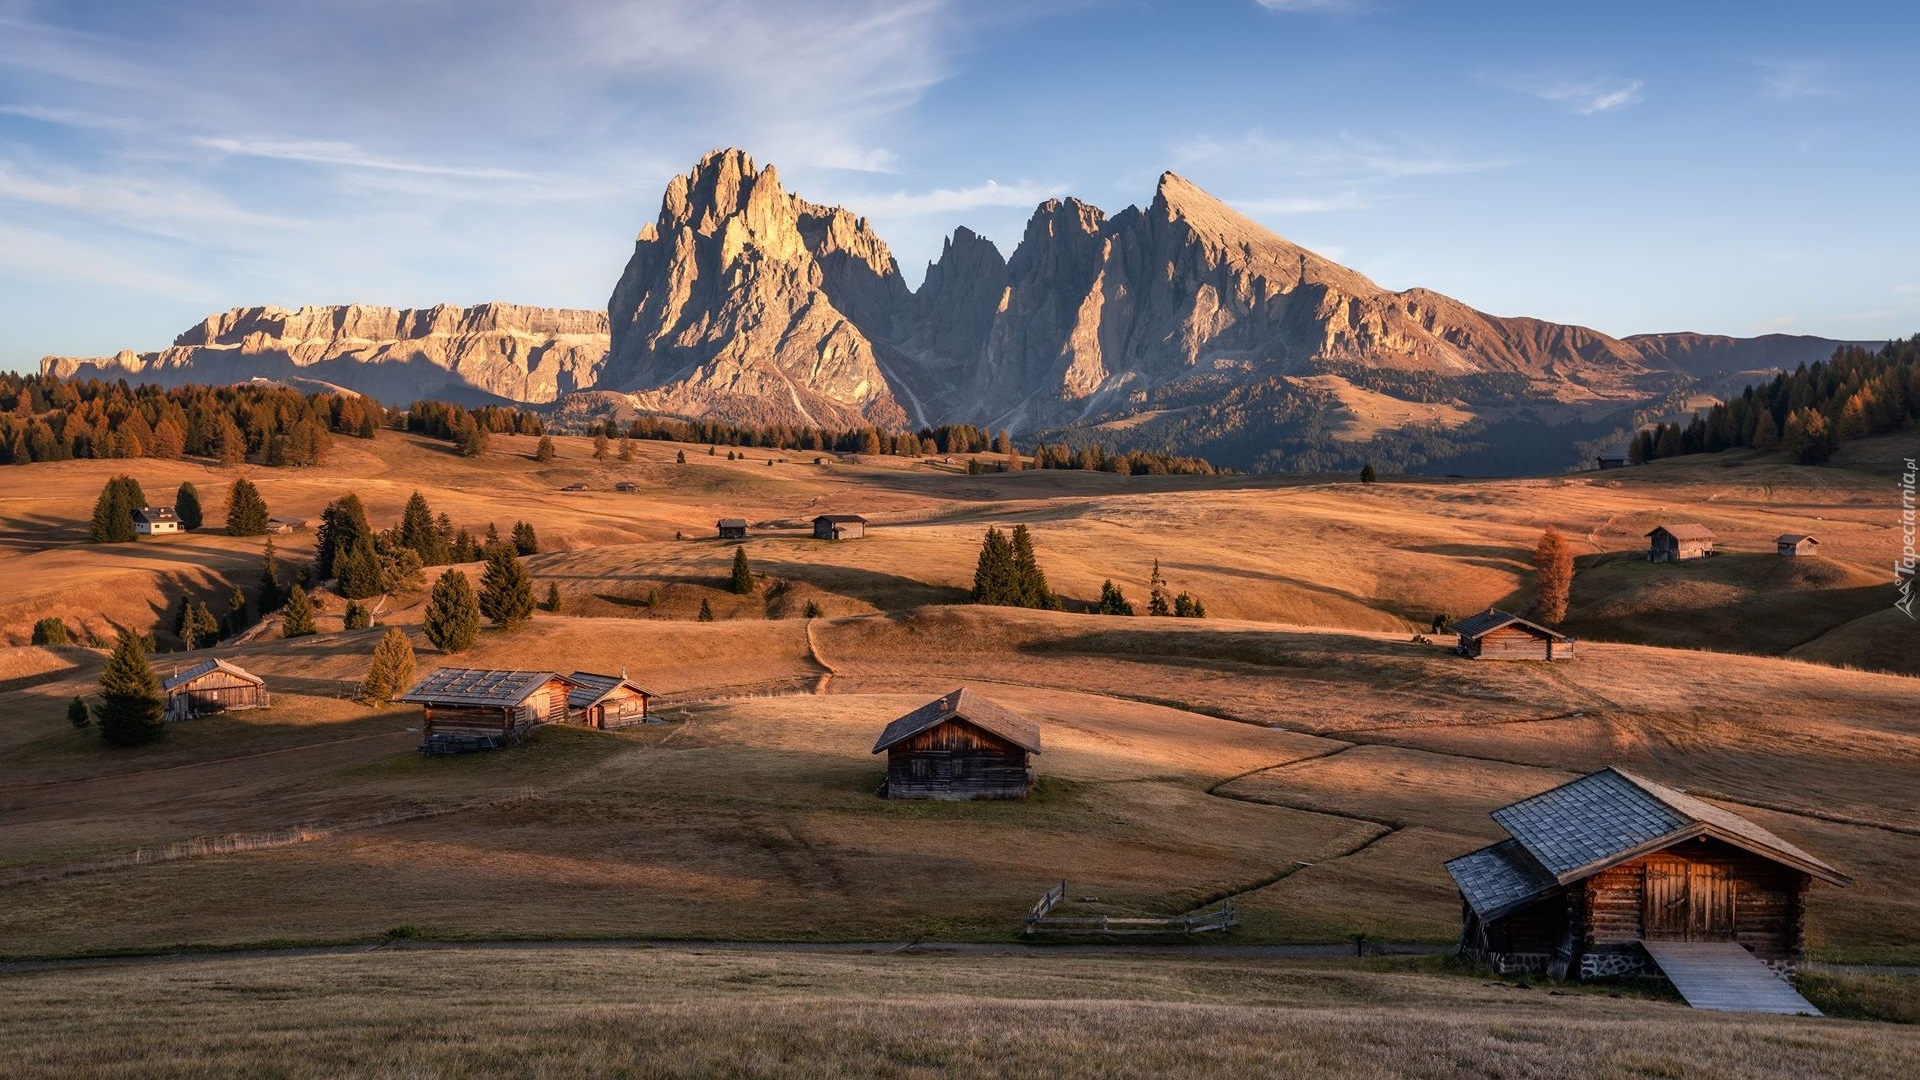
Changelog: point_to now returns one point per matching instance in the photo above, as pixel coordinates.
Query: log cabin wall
(214, 692)
(466, 720)
(956, 760)
(1696, 891)
(1511, 643)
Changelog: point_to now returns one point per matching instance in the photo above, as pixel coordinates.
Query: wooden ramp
(1721, 975)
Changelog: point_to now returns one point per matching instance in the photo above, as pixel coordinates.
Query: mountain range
(1181, 326)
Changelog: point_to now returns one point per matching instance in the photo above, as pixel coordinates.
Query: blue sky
(1733, 168)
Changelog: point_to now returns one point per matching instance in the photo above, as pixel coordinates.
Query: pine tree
(236, 612)
(1157, 603)
(392, 669)
(77, 714)
(680, 458)
(553, 597)
(186, 505)
(452, 620)
(1188, 606)
(813, 610)
(1367, 475)
(272, 588)
(1030, 581)
(357, 617)
(419, 532)
(993, 574)
(464, 549)
(1766, 433)
(706, 611)
(343, 527)
(492, 540)
(246, 510)
(132, 709)
(742, 583)
(525, 541)
(1554, 561)
(543, 452)
(1112, 600)
(600, 444)
(506, 590)
(113, 511)
(357, 571)
(297, 621)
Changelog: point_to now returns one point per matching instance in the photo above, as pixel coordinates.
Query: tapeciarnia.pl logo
(1903, 567)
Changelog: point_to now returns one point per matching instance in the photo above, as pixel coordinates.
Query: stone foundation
(1612, 965)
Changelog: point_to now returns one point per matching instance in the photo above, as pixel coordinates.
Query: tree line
(1008, 574)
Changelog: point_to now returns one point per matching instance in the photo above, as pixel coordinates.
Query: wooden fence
(1041, 920)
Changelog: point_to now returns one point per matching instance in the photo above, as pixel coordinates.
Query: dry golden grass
(692, 1012)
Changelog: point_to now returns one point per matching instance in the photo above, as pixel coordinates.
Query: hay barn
(155, 521)
(961, 746)
(607, 701)
(485, 709)
(213, 686)
(839, 527)
(1791, 545)
(1678, 543)
(1498, 635)
(1597, 867)
(732, 528)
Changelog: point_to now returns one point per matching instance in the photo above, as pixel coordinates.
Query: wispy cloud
(155, 204)
(1305, 204)
(1589, 97)
(1796, 80)
(348, 155)
(40, 256)
(953, 200)
(1314, 5)
(1345, 161)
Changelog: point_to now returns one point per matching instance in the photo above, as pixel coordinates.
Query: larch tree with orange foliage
(1554, 561)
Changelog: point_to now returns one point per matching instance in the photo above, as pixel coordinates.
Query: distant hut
(961, 746)
(575, 486)
(1790, 545)
(213, 686)
(1678, 543)
(1597, 868)
(286, 525)
(1499, 635)
(155, 521)
(626, 485)
(1612, 459)
(485, 709)
(607, 701)
(732, 528)
(839, 527)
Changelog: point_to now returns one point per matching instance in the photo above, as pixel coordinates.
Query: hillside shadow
(1488, 556)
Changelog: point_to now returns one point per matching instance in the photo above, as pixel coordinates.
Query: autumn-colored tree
(391, 672)
(1554, 562)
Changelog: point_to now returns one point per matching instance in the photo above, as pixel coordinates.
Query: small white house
(155, 520)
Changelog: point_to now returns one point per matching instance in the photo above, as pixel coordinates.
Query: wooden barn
(607, 701)
(1498, 635)
(1790, 545)
(213, 686)
(1613, 459)
(839, 527)
(961, 746)
(627, 486)
(1678, 543)
(732, 528)
(485, 709)
(1596, 869)
(155, 521)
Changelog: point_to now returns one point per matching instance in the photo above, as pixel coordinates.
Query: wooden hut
(961, 746)
(1790, 545)
(1498, 635)
(155, 521)
(839, 527)
(1597, 867)
(485, 709)
(1678, 543)
(627, 486)
(1613, 459)
(213, 686)
(607, 701)
(732, 528)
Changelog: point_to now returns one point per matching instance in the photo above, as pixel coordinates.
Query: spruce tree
(357, 617)
(113, 511)
(357, 571)
(706, 611)
(77, 714)
(1113, 601)
(419, 532)
(1188, 606)
(51, 631)
(544, 452)
(343, 527)
(553, 596)
(297, 621)
(246, 510)
(1157, 603)
(272, 589)
(525, 541)
(206, 628)
(452, 621)
(464, 549)
(680, 458)
(392, 669)
(742, 583)
(236, 612)
(1367, 475)
(993, 574)
(132, 708)
(1029, 579)
(186, 504)
(506, 590)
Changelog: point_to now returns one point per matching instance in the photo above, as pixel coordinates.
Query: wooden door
(1666, 911)
(1687, 901)
(1710, 902)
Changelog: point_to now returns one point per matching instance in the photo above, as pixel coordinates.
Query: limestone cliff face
(744, 303)
(490, 351)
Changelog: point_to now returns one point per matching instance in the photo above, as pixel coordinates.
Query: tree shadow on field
(882, 590)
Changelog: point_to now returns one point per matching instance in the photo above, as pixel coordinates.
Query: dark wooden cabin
(732, 528)
(839, 527)
(1790, 545)
(1678, 543)
(961, 746)
(1597, 866)
(1616, 459)
(1498, 635)
(607, 701)
(214, 686)
(485, 709)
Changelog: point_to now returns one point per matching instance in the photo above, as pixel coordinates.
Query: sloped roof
(1793, 538)
(1685, 531)
(1608, 817)
(1500, 879)
(478, 686)
(732, 523)
(590, 689)
(970, 706)
(207, 667)
(841, 517)
(151, 514)
(1492, 619)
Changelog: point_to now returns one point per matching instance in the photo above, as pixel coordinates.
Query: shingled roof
(1600, 820)
(842, 517)
(1684, 531)
(478, 686)
(1492, 619)
(589, 688)
(207, 667)
(1794, 538)
(968, 705)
